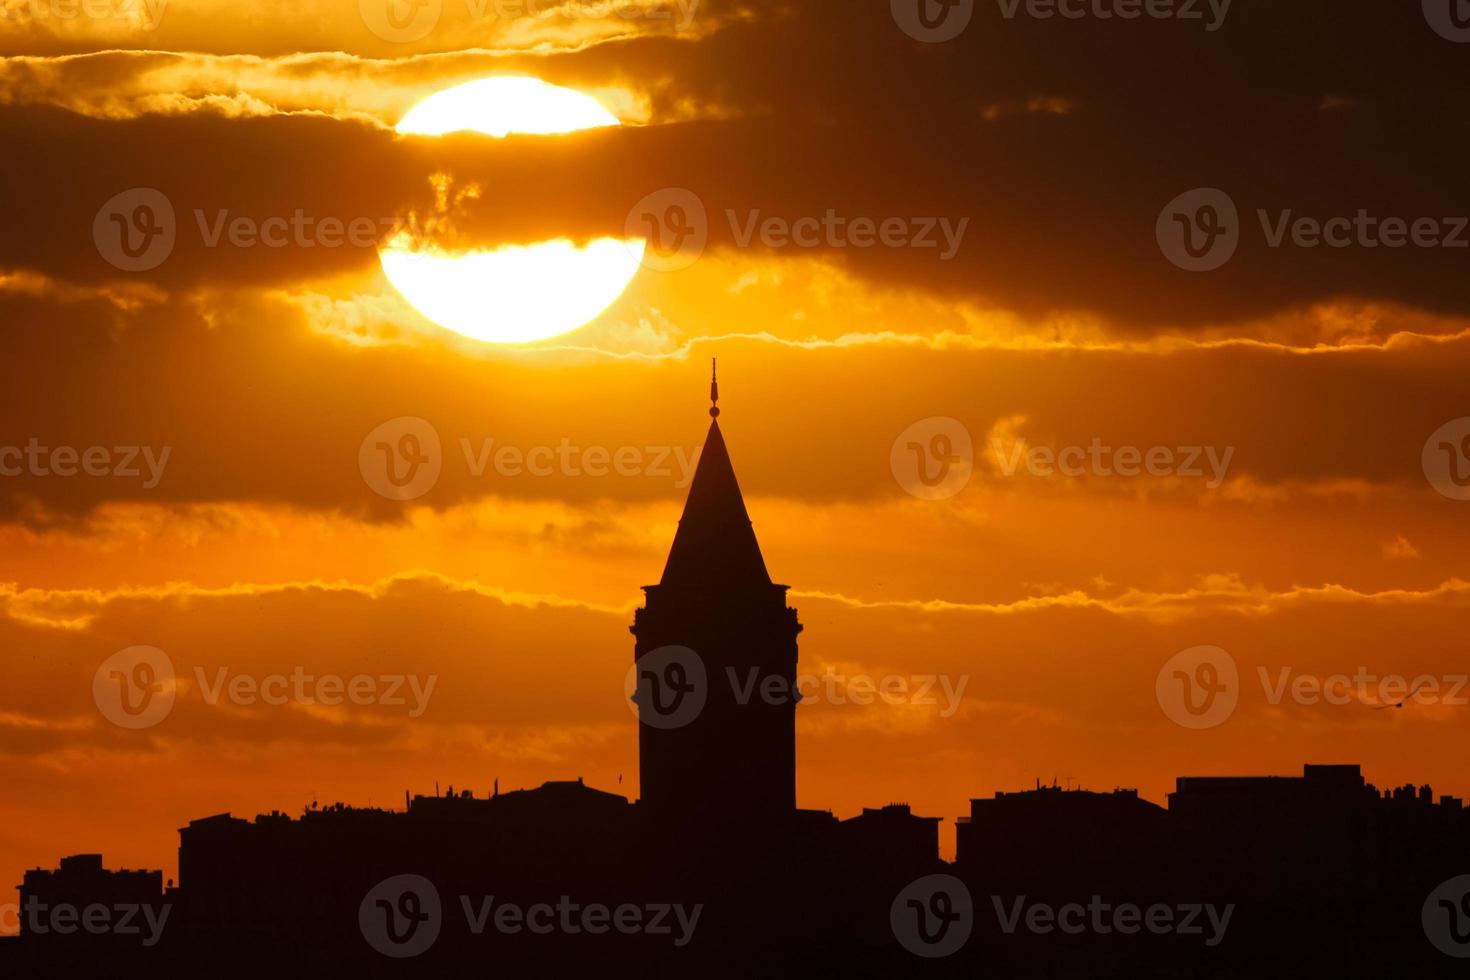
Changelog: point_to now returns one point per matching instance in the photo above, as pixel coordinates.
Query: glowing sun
(512, 293)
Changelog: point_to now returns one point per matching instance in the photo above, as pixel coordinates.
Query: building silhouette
(734, 761)
(715, 872)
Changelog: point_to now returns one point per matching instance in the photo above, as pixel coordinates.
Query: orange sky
(1046, 603)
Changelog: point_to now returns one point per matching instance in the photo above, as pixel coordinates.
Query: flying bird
(1400, 703)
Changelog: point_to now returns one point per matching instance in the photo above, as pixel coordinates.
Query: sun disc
(502, 106)
(514, 293)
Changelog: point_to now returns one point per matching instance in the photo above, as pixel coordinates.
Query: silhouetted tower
(735, 759)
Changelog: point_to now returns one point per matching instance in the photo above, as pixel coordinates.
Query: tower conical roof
(715, 546)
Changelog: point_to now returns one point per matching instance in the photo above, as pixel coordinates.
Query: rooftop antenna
(714, 388)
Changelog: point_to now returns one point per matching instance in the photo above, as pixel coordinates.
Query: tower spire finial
(714, 388)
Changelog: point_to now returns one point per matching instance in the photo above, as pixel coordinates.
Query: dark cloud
(1320, 108)
(461, 658)
(277, 414)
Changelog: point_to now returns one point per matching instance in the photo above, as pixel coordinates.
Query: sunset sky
(1323, 377)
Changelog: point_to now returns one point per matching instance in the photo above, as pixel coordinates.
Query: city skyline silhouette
(714, 868)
